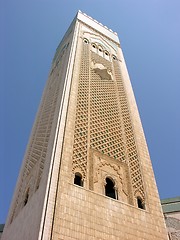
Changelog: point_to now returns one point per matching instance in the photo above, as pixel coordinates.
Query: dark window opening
(94, 46)
(12, 217)
(140, 203)
(114, 57)
(109, 188)
(106, 54)
(86, 41)
(26, 197)
(78, 179)
(100, 49)
(37, 184)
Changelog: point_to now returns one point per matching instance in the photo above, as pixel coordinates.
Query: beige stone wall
(85, 212)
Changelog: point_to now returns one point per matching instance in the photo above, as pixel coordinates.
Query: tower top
(97, 25)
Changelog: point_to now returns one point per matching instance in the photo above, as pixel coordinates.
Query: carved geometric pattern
(96, 58)
(37, 150)
(102, 166)
(175, 235)
(115, 167)
(81, 123)
(110, 126)
(172, 222)
(105, 122)
(134, 165)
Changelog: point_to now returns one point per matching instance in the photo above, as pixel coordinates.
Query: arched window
(85, 40)
(114, 57)
(38, 182)
(78, 179)
(106, 55)
(140, 203)
(109, 188)
(100, 51)
(26, 197)
(94, 47)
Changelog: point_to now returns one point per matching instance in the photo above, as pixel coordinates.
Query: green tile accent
(170, 200)
(171, 205)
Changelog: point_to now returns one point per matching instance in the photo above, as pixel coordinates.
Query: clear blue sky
(149, 32)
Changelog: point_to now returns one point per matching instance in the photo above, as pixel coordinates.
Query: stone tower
(87, 173)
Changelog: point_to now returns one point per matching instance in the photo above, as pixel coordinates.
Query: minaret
(87, 173)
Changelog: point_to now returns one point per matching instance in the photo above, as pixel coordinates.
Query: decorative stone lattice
(81, 124)
(175, 235)
(36, 153)
(110, 126)
(105, 122)
(172, 222)
(134, 165)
